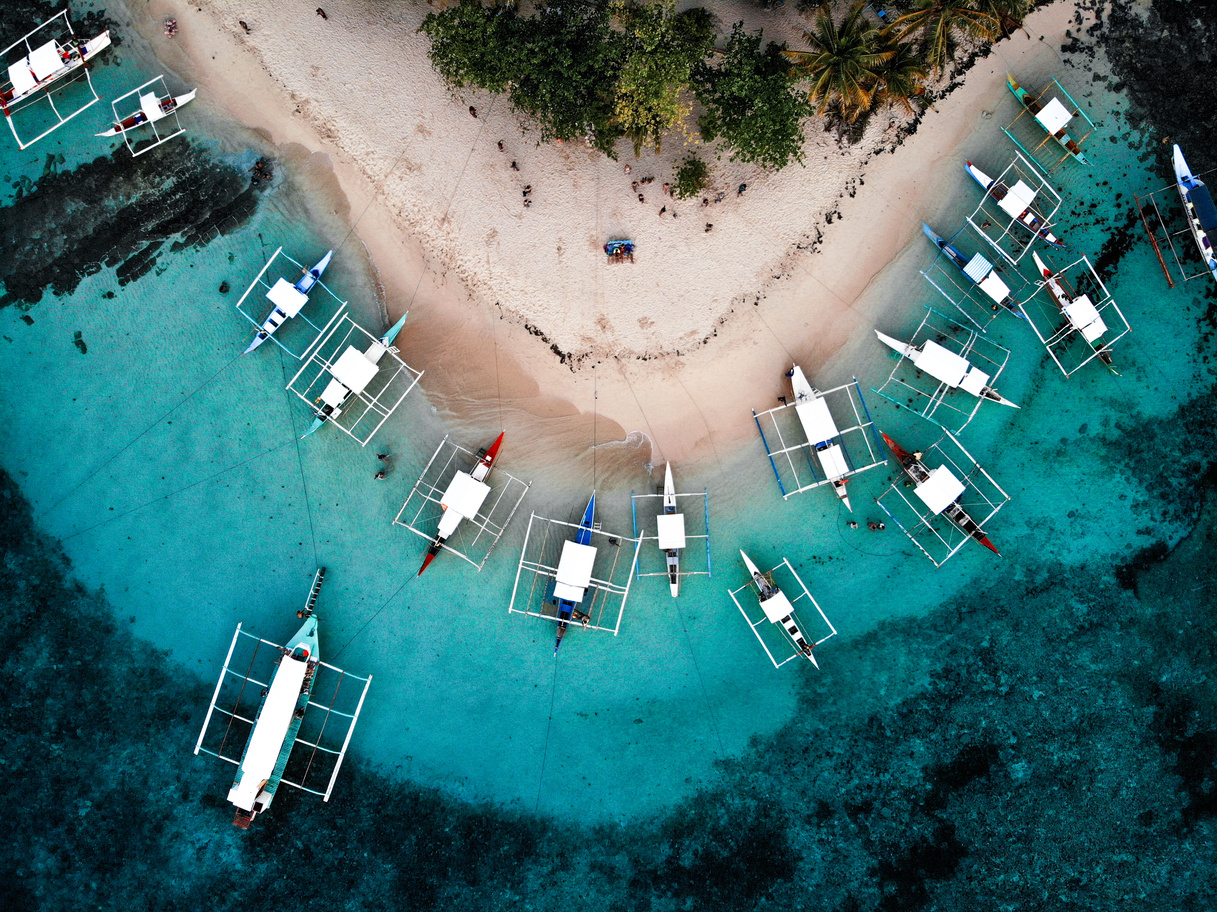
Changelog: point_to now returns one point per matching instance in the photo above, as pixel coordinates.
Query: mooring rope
(137, 437)
(291, 420)
(553, 693)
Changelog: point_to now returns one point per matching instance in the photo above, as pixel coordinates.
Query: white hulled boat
(151, 109)
(1201, 213)
(463, 498)
(821, 431)
(288, 300)
(352, 373)
(671, 531)
(947, 367)
(778, 609)
(1078, 309)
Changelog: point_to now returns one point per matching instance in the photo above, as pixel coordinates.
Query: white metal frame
(937, 537)
(784, 456)
(795, 652)
(476, 537)
(119, 117)
(1009, 237)
(265, 307)
(379, 399)
(704, 497)
(1062, 341)
(949, 408)
(1078, 111)
(74, 45)
(315, 706)
(542, 565)
(965, 295)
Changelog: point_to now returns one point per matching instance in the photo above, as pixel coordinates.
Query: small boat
(463, 498)
(278, 720)
(351, 374)
(151, 109)
(1016, 202)
(947, 367)
(1053, 117)
(288, 300)
(671, 531)
(1079, 310)
(46, 65)
(1201, 213)
(820, 428)
(979, 270)
(778, 609)
(574, 573)
(939, 490)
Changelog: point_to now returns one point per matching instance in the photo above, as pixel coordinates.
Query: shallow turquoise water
(169, 470)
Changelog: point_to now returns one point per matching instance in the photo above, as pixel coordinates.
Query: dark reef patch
(1054, 747)
(116, 211)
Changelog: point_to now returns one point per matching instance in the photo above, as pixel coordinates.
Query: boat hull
(1029, 218)
(1194, 195)
(1029, 101)
(140, 119)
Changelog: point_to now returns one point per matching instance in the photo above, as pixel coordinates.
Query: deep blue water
(1034, 731)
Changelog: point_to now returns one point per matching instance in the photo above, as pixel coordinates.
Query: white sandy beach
(679, 345)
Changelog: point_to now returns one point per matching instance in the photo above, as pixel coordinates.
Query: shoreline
(812, 305)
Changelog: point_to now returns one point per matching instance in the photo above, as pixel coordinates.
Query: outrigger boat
(671, 531)
(778, 609)
(278, 721)
(288, 299)
(1053, 117)
(939, 490)
(1201, 213)
(1079, 310)
(944, 365)
(1016, 202)
(463, 498)
(980, 271)
(820, 428)
(356, 369)
(45, 65)
(151, 109)
(574, 573)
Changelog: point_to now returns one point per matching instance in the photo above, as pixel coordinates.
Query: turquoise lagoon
(169, 471)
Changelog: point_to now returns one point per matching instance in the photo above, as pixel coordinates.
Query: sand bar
(514, 311)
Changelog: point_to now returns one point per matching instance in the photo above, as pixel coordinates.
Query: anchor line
(553, 693)
(291, 419)
(181, 490)
(136, 438)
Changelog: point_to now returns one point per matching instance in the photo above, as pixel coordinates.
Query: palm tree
(940, 22)
(1009, 14)
(899, 76)
(841, 63)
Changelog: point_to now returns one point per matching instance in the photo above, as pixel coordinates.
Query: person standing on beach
(740, 189)
(473, 112)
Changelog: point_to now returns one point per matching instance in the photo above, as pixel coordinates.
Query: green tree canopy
(474, 45)
(662, 48)
(750, 102)
(842, 62)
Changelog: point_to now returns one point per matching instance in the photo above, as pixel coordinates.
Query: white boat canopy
(940, 363)
(35, 67)
(268, 735)
(353, 370)
(832, 461)
(816, 420)
(462, 500)
(1054, 116)
(940, 490)
(1085, 318)
(283, 294)
(980, 271)
(777, 607)
(1017, 200)
(671, 531)
(574, 571)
